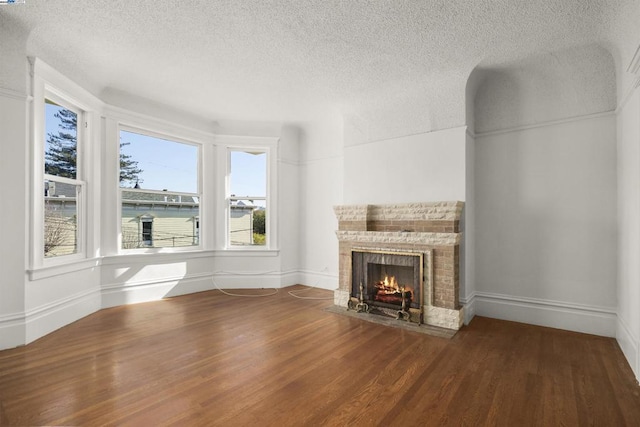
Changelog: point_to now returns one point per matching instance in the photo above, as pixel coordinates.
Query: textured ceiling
(300, 60)
(545, 87)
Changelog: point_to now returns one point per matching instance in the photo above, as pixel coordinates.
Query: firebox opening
(387, 283)
(391, 281)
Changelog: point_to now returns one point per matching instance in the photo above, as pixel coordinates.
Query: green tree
(259, 226)
(129, 170)
(61, 155)
(62, 151)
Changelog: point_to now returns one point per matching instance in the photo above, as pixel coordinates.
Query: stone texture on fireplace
(412, 227)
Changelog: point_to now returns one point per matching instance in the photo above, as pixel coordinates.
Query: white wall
(29, 306)
(13, 217)
(628, 290)
(545, 225)
(13, 205)
(289, 200)
(321, 178)
(424, 167)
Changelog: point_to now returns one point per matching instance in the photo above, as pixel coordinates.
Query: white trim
(628, 94)
(64, 87)
(147, 258)
(469, 304)
(409, 135)
(44, 310)
(117, 294)
(47, 83)
(319, 279)
(544, 124)
(555, 314)
(309, 162)
(131, 284)
(288, 162)
(122, 126)
(45, 319)
(13, 94)
(65, 268)
(245, 140)
(470, 133)
(268, 145)
(634, 64)
(151, 124)
(630, 346)
(12, 330)
(166, 131)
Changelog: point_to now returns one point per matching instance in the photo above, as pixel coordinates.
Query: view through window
(62, 186)
(159, 192)
(248, 198)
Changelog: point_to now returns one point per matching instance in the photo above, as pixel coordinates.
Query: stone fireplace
(401, 260)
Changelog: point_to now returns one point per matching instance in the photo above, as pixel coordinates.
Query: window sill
(247, 252)
(85, 264)
(60, 269)
(182, 255)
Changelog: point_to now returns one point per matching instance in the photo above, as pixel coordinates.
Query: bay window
(159, 191)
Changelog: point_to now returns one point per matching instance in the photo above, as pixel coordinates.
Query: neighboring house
(241, 223)
(171, 220)
(60, 224)
(148, 220)
(159, 220)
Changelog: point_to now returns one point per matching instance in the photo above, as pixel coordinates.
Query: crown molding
(545, 124)
(13, 94)
(634, 65)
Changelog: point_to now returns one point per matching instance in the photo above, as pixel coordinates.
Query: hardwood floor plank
(210, 359)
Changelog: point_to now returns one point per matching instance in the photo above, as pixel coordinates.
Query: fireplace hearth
(401, 261)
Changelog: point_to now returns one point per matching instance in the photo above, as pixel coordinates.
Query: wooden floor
(212, 359)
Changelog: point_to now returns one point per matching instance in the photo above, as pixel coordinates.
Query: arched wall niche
(543, 181)
(541, 88)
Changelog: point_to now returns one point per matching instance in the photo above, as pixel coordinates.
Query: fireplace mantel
(431, 228)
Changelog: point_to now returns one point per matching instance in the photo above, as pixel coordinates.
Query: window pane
(60, 219)
(247, 223)
(248, 199)
(159, 219)
(61, 141)
(248, 174)
(157, 164)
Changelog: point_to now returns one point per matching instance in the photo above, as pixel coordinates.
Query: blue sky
(248, 174)
(165, 164)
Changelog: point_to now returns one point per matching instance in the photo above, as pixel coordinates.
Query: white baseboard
(469, 305)
(133, 292)
(318, 279)
(554, 314)
(43, 320)
(12, 331)
(629, 345)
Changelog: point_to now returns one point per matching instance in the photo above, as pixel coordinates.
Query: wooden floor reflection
(214, 359)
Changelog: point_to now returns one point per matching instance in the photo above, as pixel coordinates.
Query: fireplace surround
(411, 251)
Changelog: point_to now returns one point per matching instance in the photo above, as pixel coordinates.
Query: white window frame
(269, 146)
(49, 84)
(168, 135)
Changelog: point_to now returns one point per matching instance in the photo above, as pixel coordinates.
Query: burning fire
(389, 285)
(391, 292)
